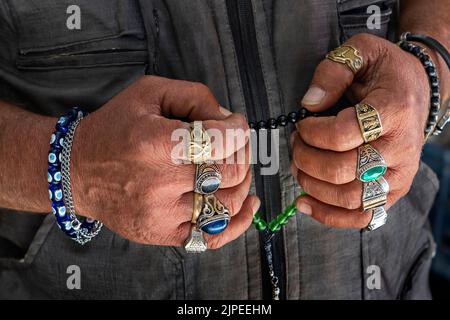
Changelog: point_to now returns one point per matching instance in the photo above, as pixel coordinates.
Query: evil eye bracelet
(58, 177)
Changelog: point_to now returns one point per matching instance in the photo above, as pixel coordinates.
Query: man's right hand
(123, 173)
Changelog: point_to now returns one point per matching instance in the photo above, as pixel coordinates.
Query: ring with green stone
(371, 164)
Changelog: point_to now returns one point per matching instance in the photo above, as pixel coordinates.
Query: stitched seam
(156, 47)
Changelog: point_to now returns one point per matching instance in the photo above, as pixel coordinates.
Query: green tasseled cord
(269, 230)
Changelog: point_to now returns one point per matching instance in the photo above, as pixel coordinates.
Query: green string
(279, 221)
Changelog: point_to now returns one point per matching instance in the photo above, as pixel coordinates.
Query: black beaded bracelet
(430, 68)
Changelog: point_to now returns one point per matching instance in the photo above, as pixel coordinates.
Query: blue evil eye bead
(59, 209)
(57, 140)
(56, 193)
(53, 175)
(67, 225)
(63, 124)
(72, 114)
(52, 157)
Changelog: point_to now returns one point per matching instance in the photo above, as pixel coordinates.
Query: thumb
(329, 83)
(331, 79)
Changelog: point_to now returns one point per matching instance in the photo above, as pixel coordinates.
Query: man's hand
(123, 173)
(325, 148)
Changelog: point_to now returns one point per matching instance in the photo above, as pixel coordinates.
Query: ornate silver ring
(207, 178)
(195, 243)
(214, 217)
(379, 218)
(371, 164)
(374, 193)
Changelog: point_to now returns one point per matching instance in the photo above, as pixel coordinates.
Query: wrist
(24, 144)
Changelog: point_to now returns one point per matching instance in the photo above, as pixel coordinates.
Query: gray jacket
(258, 58)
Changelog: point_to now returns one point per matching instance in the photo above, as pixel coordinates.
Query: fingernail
(313, 96)
(305, 208)
(256, 205)
(225, 112)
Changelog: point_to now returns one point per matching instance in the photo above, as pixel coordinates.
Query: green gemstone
(373, 173)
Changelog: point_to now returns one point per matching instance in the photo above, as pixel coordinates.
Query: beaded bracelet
(435, 97)
(58, 177)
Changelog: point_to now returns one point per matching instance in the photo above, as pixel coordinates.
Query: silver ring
(371, 164)
(207, 178)
(214, 217)
(379, 218)
(374, 193)
(195, 243)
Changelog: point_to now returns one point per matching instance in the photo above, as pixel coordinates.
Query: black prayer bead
(272, 123)
(262, 124)
(292, 116)
(282, 120)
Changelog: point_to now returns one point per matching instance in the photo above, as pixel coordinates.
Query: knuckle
(340, 136)
(351, 200)
(337, 174)
(201, 89)
(236, 173)
(242, 121)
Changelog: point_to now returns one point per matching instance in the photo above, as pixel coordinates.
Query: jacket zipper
(240, 15)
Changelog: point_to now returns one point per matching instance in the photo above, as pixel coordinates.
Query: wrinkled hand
(325, 148)
(124, 175)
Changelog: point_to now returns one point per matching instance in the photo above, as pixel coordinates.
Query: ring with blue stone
(207, 178)
(214, 217)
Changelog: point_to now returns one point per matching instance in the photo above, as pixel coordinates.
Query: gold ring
(369, 121)
(347, 55)
(199, 149)
(198, 204)
(196, 243)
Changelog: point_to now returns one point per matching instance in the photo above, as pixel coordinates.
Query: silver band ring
(379, 218)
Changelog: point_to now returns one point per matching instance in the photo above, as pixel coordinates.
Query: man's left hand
(325, 148)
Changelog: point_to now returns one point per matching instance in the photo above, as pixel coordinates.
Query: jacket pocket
(110, 32)
(358, 16)
(29, 251)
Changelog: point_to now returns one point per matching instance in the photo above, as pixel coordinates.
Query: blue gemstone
(211, 185)
(216, 226)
